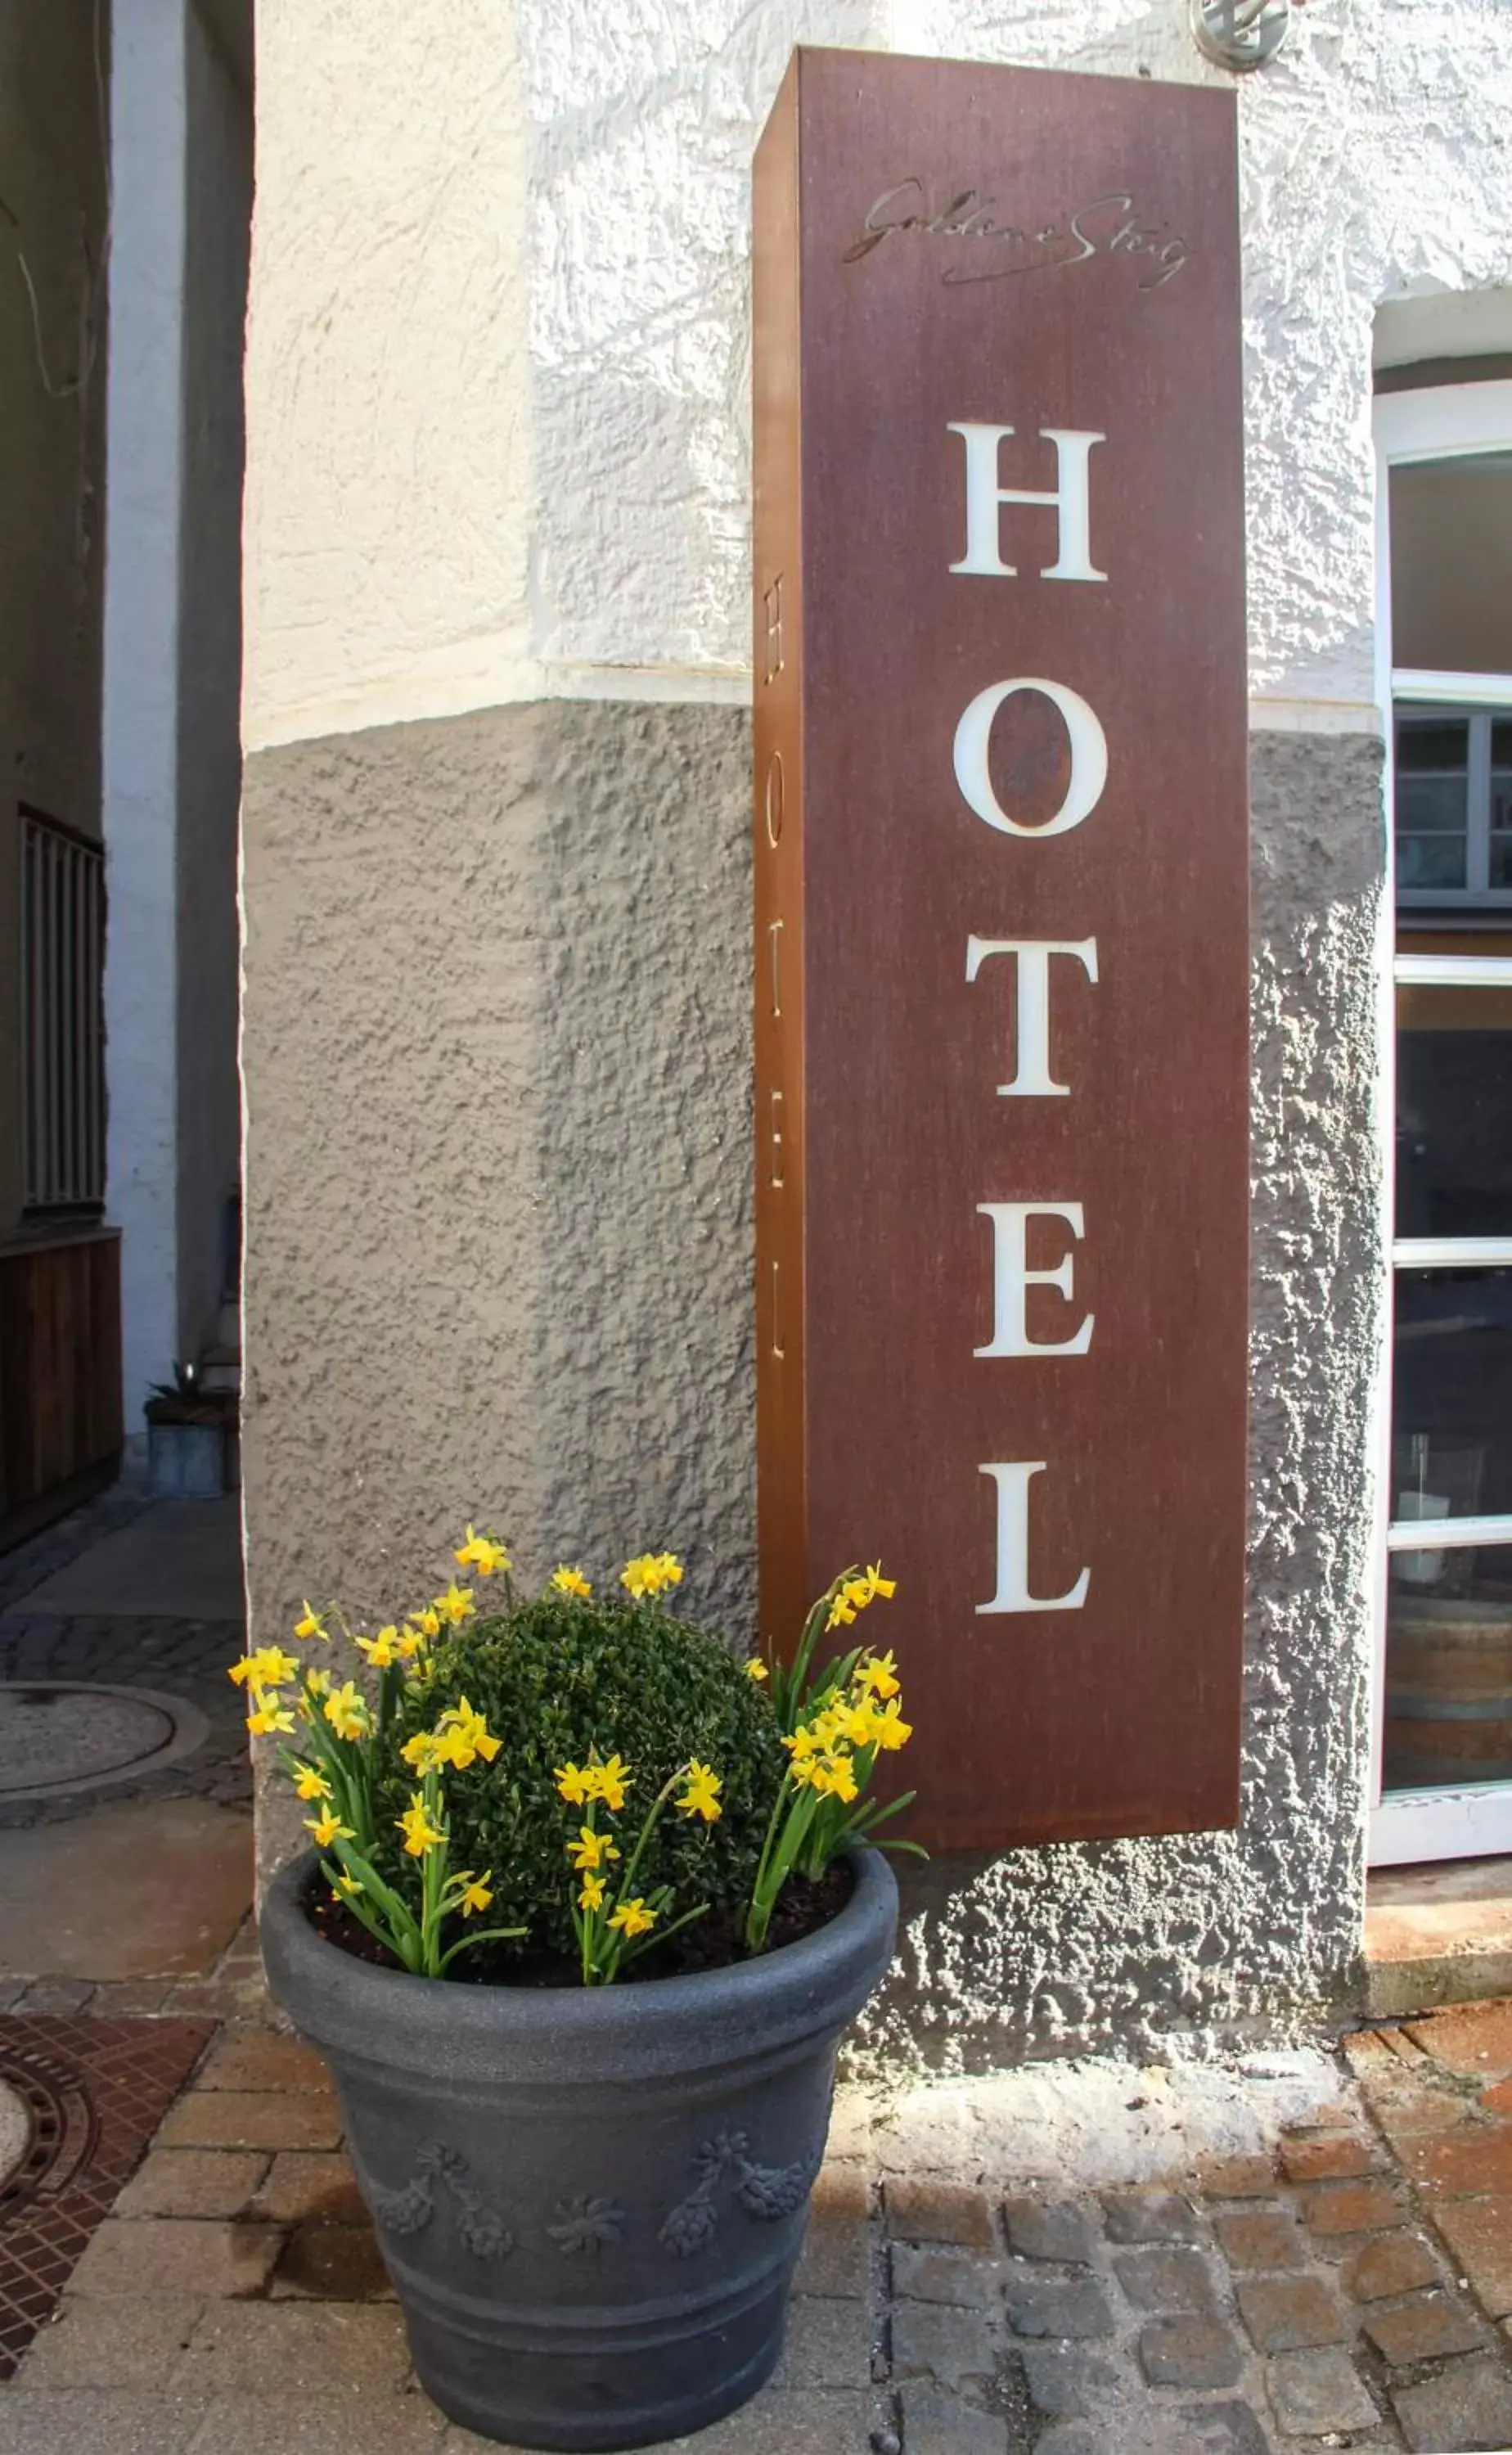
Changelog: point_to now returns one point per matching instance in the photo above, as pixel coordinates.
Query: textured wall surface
(498, 1164)
(388, 506)
(541, 310)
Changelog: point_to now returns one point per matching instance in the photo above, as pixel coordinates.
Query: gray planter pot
(186, 1461)
(590, 2204)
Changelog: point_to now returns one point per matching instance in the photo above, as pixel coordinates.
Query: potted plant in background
(587, 1906)
(190, 1437)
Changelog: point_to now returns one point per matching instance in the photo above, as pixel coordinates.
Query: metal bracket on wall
(1239, 35)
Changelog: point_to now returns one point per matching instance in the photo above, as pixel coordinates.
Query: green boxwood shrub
(559, 1679)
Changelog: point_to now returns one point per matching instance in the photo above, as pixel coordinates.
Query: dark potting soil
(710, 1942)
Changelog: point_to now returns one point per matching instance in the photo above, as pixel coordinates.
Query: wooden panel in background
(60, 1373)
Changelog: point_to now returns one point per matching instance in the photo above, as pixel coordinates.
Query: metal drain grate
(95, 2092)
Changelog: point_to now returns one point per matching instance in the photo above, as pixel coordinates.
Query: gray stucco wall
(500, 1263)
(499, 1235)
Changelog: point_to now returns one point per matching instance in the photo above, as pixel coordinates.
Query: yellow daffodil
(592, 1896)
(420, 1835)
(592, 1850)
(891, 1729)
(575, 1785)
(862, 1723)
(801, 1744)
(455, 1605)
(383, 1650)
(835, 1777)
(474, 1894)
(702, 1797)
(267, 1667)
(633, 1917)
(409, 1642)
(310, 1783)
(842, 1612)
(877, 1675)
(346, 1885)
(610, 1783)
(572, 1581)
(317, 1683)
(807, 1771)
(876, 1584)
(269, 1713)
(427, 1621)
(755, 1669)
(466, 1735)
(311, 1624)
(345, 1711)
(425, 1752)
(327, 1827)
(480, 1552)
(651, 1573)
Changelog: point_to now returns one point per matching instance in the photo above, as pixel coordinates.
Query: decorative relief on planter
(587, 2225)
(768, 2192)
(480, 2228)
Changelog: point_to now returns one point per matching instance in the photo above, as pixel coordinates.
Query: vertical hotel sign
(1002, 920)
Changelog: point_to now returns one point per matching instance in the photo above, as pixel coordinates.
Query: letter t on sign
(1033, 1079)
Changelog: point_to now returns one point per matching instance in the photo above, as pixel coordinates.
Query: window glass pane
(1448, 1722)
(1454, 1112)
(1451, 549)
(1501, 803)
(1450, 1610)
(1432, 778)
(1452, 1394)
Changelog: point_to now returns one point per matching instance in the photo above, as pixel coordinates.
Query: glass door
(1444, 1754)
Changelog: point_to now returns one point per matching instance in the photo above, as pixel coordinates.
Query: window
(62, 1033)
(1443, 1757)
(1454, 806)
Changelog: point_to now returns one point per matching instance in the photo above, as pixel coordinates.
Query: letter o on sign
(1089, 757)
(774, 796)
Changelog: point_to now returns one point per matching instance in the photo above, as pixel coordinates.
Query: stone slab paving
(1250, 2269)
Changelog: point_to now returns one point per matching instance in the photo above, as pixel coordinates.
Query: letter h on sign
(1000, 720)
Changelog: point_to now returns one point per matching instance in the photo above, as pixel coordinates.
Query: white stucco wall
(498, 365)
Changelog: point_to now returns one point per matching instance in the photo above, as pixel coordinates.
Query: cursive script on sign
(1107, 226)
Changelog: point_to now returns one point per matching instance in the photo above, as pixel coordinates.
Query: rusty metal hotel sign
(1002, 920)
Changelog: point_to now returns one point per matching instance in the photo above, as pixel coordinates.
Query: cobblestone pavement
(1332, 2272)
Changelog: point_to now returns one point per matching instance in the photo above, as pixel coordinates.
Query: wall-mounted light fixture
(1239, 35)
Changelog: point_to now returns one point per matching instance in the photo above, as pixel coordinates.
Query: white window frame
(1442, 422)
